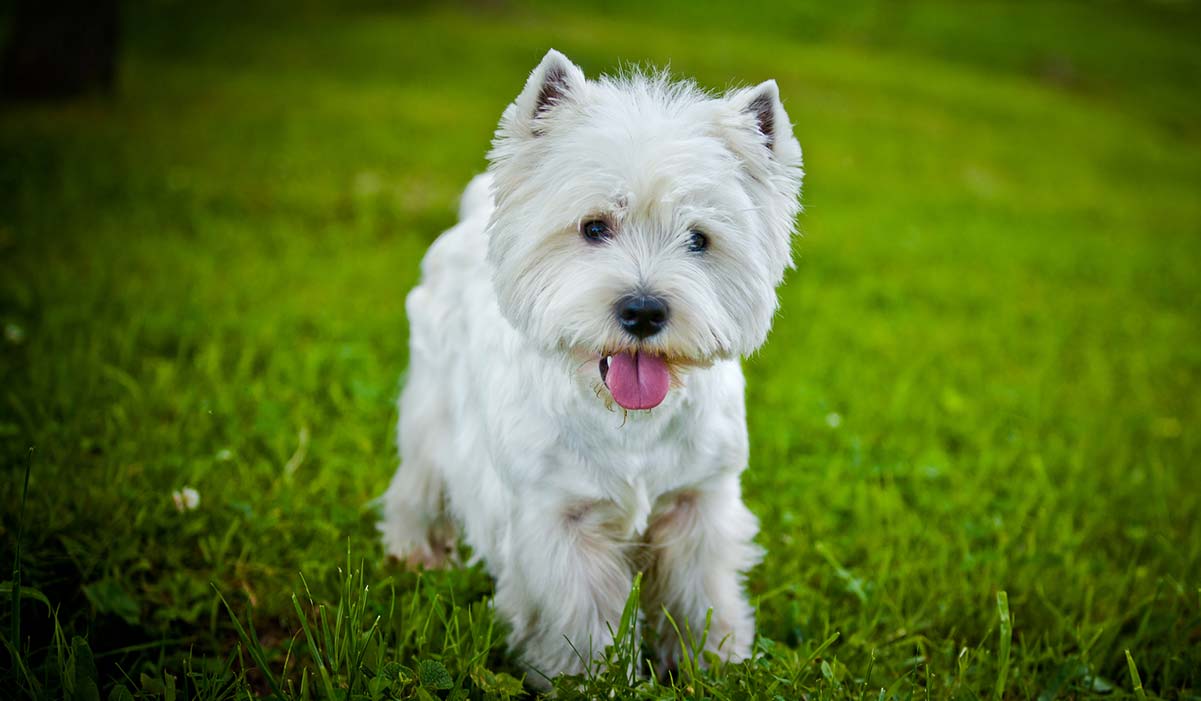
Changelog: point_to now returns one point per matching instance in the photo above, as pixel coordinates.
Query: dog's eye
(596, 231)
(697, 241)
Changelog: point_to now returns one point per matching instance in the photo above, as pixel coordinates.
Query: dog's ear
(755, 126)
(554, 82)
(763, 105)
(762, 112)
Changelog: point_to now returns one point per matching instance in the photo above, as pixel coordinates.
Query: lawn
(973, 427)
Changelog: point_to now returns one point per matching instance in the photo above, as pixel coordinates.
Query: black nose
(642, 315)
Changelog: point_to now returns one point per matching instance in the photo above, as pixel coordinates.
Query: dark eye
(697, 241)
(596, 231)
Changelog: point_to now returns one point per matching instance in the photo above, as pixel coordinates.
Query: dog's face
(641, 226)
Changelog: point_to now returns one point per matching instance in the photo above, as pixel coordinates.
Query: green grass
(974, 429)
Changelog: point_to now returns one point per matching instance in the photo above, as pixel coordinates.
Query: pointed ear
(555, 81)
(765, 100)
(762, 104)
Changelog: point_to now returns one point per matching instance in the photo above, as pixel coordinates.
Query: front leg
(702, 545)
(564, 583)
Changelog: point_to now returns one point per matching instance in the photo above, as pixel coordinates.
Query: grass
(974, 429)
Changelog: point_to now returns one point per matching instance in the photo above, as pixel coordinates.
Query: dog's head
(641, 224)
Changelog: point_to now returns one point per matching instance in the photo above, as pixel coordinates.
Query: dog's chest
(631, 484)
(633, 509)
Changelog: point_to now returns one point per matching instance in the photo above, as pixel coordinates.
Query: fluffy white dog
(574, 404)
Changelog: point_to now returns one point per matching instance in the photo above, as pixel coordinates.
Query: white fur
(506, 429)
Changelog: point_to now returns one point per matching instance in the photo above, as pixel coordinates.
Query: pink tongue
(638, 380)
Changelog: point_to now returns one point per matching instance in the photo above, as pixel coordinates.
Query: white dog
(574, 404)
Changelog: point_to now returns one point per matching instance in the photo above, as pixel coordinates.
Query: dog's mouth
(636, 379)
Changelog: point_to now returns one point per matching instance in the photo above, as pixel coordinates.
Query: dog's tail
(477, 198)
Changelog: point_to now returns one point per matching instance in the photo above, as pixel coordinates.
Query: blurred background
(983, 379)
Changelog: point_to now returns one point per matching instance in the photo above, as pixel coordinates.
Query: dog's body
(579, 278)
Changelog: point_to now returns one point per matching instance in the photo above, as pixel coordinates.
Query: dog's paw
(429, 558)
(426, 556)
(418, 544)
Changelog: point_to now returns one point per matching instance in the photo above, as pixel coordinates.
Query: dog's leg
(564, 585)
(702, 545)
(416, 528)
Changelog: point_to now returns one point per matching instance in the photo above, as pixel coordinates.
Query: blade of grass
(313, 647)
(20, 663)
(16, 580)
(625, 642)
(1135, 679)
(252, 644)
(1006, 642)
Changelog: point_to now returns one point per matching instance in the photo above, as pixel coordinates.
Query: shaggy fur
(509, 434)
